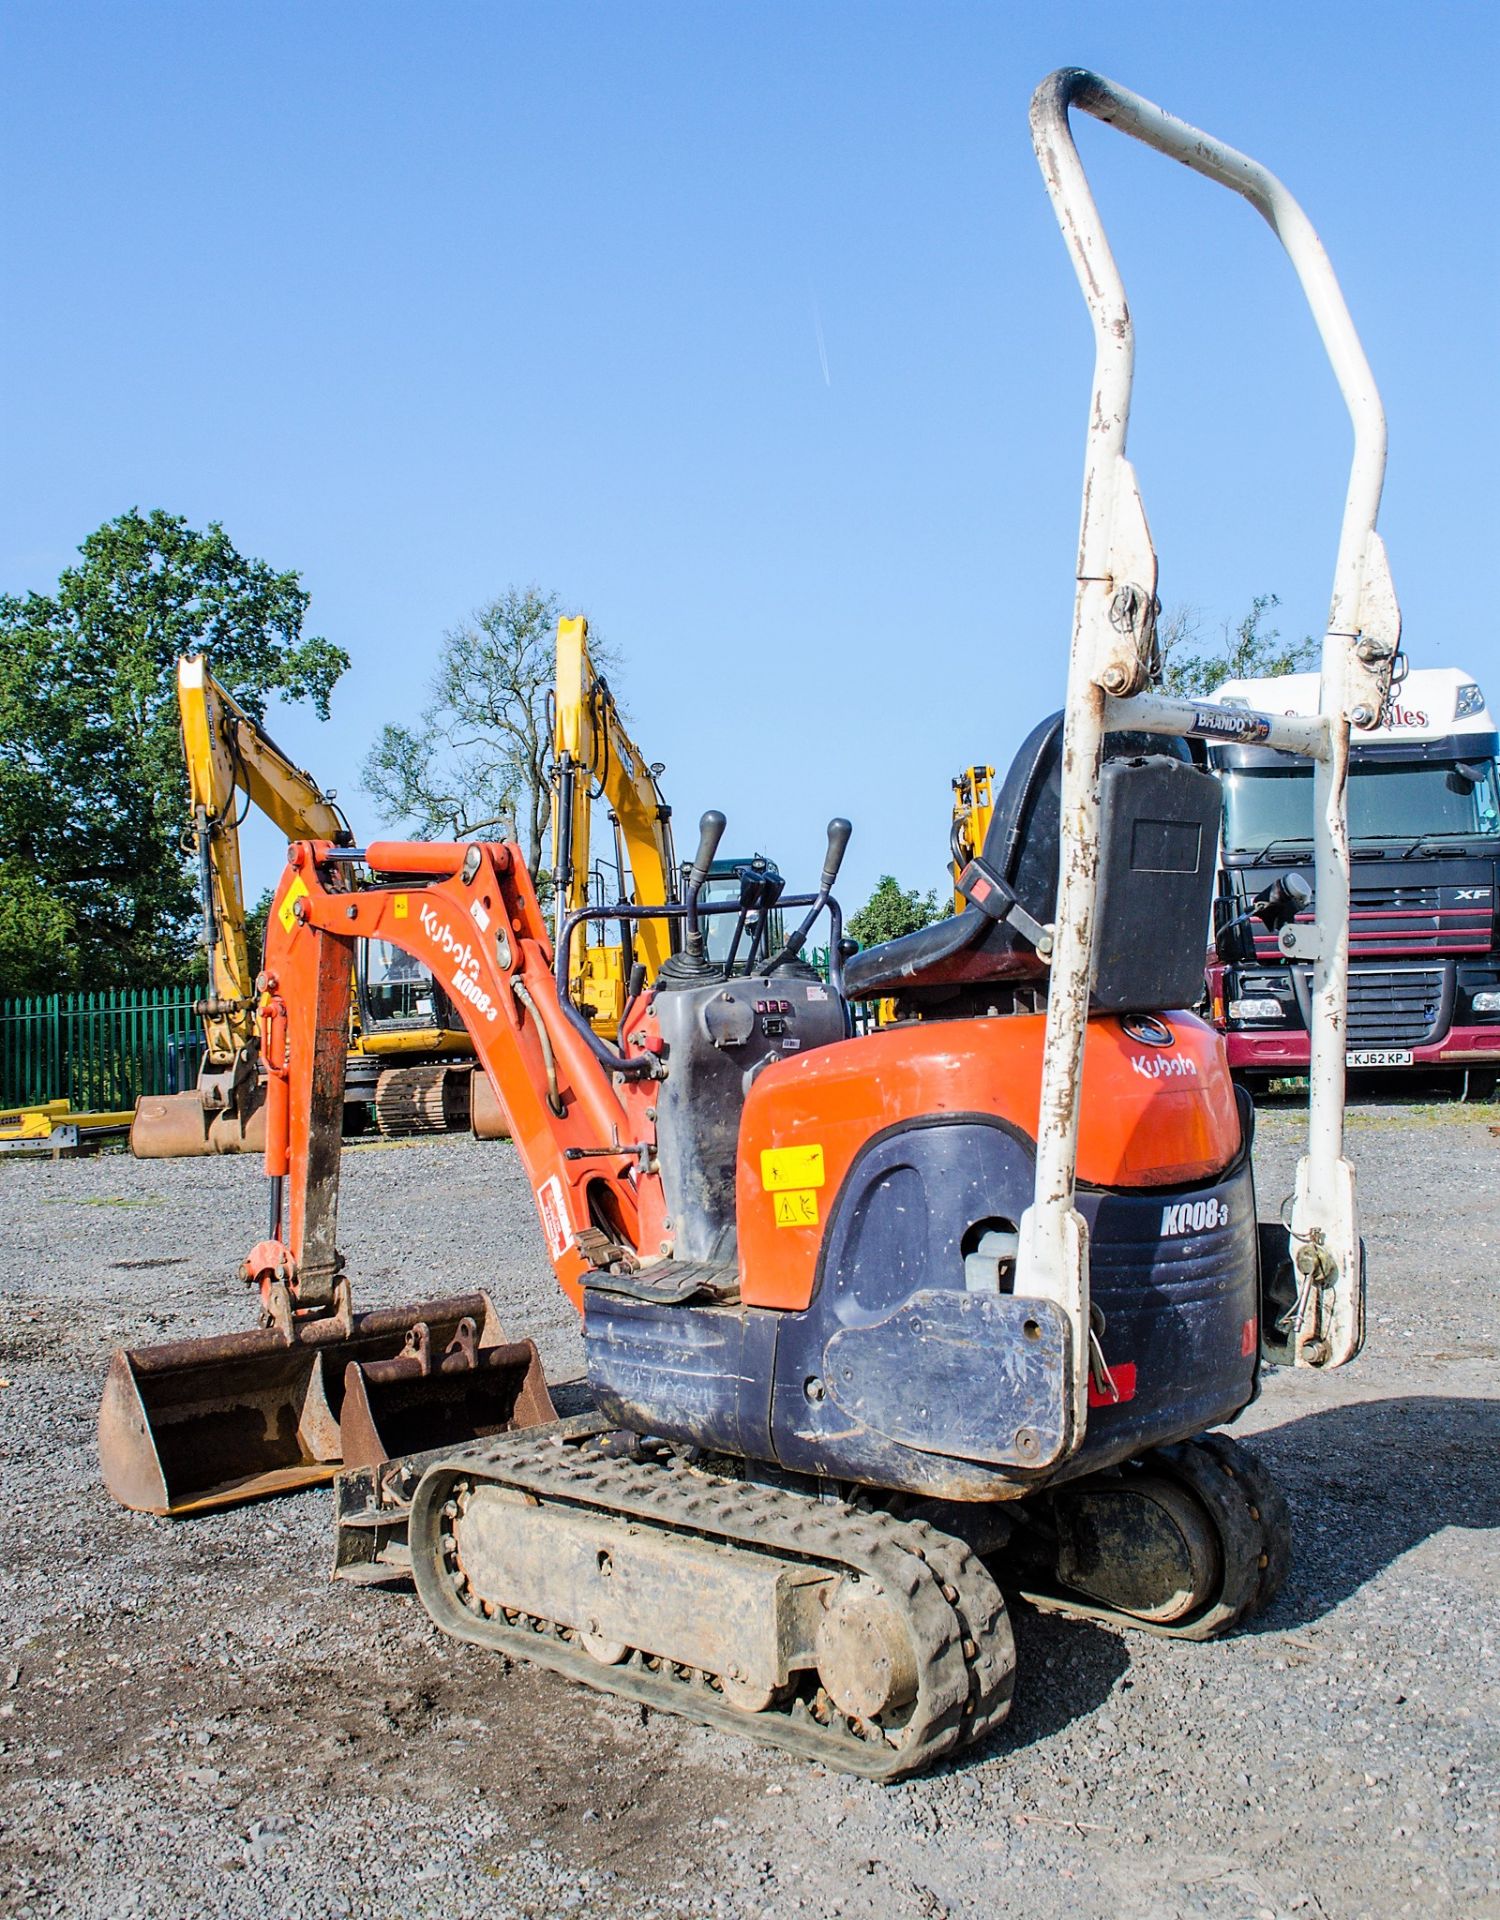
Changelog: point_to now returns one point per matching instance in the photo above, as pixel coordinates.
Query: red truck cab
(1424, 836)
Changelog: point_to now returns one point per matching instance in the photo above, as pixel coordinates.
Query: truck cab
(1424, 841)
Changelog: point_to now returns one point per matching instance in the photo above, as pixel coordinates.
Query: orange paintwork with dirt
(1152, 1116)
(478, 936)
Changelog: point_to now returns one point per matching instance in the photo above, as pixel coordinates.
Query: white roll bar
(1110, 663)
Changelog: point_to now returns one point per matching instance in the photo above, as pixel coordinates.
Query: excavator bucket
(427, 1398)
(178, 1126)
(207, 1423)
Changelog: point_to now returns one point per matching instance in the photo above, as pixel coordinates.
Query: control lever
(838, 843)
(839, 831)
(710, 833)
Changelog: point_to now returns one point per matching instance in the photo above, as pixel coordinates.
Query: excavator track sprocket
(1244, 1528)
(870, 1644)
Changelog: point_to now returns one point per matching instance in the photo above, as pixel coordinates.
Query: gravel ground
(194, 1721)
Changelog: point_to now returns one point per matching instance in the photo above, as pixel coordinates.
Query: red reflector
(1247, 1338)
(1123, 1375)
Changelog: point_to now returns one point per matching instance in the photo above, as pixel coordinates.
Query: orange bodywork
(1150, 1116)
(480, 937)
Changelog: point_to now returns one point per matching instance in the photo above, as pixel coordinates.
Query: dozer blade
(177, 1126)
(214, 1422)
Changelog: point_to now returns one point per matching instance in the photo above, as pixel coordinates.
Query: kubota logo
(465, 981)
(1193, 1216)
(1163, 1066)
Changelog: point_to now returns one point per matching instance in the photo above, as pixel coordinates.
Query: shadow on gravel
(1065, 1670)
(1371, 1480)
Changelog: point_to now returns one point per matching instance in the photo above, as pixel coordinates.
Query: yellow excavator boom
(973, 804)
(228, 755)
(232, 762)
(593, 757)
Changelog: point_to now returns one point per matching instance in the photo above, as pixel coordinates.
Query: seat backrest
(1159, 840)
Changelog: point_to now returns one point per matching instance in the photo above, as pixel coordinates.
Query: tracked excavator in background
(594, 760)
(410, 1059)
(409, 1052)
(882, 1328)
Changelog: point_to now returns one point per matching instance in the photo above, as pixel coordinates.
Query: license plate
(1378, 1057)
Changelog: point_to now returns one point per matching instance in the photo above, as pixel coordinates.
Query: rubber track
(1255, 1540)
(965, 1655)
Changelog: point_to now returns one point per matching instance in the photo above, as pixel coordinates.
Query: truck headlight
(1487, 1000)
(1470, 700)
(1272, 1009)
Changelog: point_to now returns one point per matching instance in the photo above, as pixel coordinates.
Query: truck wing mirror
(1282, 901)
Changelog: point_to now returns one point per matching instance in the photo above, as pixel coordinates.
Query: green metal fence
(99, 1051)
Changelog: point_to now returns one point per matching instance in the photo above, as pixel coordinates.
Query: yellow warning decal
(398, 906)
(286, 912)
(783, 1167)
(798, 1208)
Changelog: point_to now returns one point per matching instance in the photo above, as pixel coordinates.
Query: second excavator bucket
(207, 1423)
(178, 1126)
(478, 1385)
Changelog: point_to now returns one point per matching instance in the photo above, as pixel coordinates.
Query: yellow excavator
(408, 1049)
(973, 809)
(595, 759)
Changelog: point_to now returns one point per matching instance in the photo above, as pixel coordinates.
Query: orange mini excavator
(878, 1327)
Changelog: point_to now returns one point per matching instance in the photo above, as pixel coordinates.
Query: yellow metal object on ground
(53, 1127)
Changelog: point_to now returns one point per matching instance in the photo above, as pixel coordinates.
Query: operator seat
(1158, 844)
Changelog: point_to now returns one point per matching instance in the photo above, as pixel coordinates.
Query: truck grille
(1394, 1006)
(1394, 899)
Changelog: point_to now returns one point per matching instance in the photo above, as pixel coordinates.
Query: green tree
(477, 758)
(93, 793)
(892, 910)
(1248, 651)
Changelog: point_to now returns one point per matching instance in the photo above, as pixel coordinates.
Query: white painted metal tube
(1109, 657)
(1306, 734)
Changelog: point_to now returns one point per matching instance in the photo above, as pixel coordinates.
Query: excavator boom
(231, 762)
(594, 758)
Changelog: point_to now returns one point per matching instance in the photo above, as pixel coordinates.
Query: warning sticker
(286, 913)
(549, 1204)
(797, 1208)
(783, 1167)
(399, 906)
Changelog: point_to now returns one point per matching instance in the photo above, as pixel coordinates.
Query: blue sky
(748, 330)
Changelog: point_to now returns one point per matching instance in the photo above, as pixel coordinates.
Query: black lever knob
(710, 833)
(838, 840)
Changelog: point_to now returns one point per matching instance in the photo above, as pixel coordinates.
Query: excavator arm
(232, 759)
(470, 914)
(595, 758)
(232, 764)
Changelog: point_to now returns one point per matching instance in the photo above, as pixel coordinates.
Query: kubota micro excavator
(879, 1326)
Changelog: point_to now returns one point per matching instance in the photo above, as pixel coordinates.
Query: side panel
(696, 1374)
(1174, 1275)
(1157, 1112)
